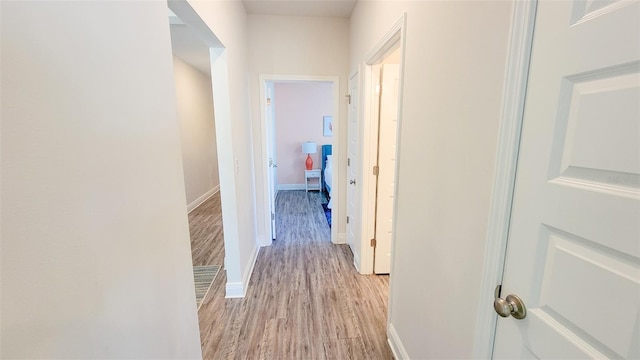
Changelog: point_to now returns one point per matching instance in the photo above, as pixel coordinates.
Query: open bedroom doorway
(297, 110)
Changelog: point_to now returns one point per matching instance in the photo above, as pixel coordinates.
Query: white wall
(453, 81)
(300, 108)
(227, 20)
(96, 260)
(197, 132)
(287, 45)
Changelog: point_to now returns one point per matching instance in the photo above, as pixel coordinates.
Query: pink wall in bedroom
(299, 109)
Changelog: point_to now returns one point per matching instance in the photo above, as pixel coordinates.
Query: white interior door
(272, 170)
(353, 215)
(574, 243)
(388, 124)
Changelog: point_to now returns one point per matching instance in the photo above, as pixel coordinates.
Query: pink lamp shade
(309, 148)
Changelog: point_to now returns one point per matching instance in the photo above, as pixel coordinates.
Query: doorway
(194, 97)
(386, 89)
(283, 171)
(218, 60)
(192, 73)
(372, 200)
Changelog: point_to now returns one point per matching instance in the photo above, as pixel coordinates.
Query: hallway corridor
(305, 299)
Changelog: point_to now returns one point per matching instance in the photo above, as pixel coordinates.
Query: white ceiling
(334, 8)
(188, 47)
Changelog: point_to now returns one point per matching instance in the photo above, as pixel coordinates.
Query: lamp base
(309, 162)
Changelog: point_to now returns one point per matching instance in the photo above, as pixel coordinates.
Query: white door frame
(337, 189)
(357, 211)
(394, 37)
(513, 100)
(269, 109)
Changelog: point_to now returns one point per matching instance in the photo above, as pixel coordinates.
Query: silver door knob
(511, 305)
(352, 182)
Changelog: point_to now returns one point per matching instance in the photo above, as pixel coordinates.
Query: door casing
(354, 168)
(513, 98)
(269, 129)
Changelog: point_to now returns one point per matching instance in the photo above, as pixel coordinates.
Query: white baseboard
(265, 241)
(341, 239)
(197, 202)
(291, 187)
(239, 289)
(234, 290)
(397, 348)
(356, 260)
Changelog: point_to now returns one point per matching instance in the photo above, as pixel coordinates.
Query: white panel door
(353, 212)
(574, 242)
(272, 171)
(388, 124)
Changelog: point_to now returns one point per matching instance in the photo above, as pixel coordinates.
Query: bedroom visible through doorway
(299, 128)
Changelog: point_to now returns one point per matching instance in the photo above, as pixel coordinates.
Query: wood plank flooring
(205, 228)
(304, 301)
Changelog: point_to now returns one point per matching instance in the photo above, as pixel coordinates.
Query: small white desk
(312, 174)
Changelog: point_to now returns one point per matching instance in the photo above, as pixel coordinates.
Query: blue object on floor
(327, 213)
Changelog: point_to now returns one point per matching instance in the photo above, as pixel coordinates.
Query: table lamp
(309, 148)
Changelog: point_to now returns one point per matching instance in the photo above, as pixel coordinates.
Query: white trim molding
(197, 202)
(398, 350)
(239, 289)
(356, 261)
(513, 100)
(235, 290)
(285, 187)
(341, 239)
(403, 46)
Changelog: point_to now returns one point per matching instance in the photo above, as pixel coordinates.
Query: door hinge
(373, 242)
(376, 170)
(348, 99)
(347, 219)
(273, 216)
(268, 101)
(348, 161)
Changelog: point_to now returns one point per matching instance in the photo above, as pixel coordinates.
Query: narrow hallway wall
(454, 70)
(197, 132)
(96, 259)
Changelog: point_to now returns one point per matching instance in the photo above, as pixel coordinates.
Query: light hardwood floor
(304, 301)
(205, 228)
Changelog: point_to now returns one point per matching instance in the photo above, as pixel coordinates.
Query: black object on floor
(327, 213)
